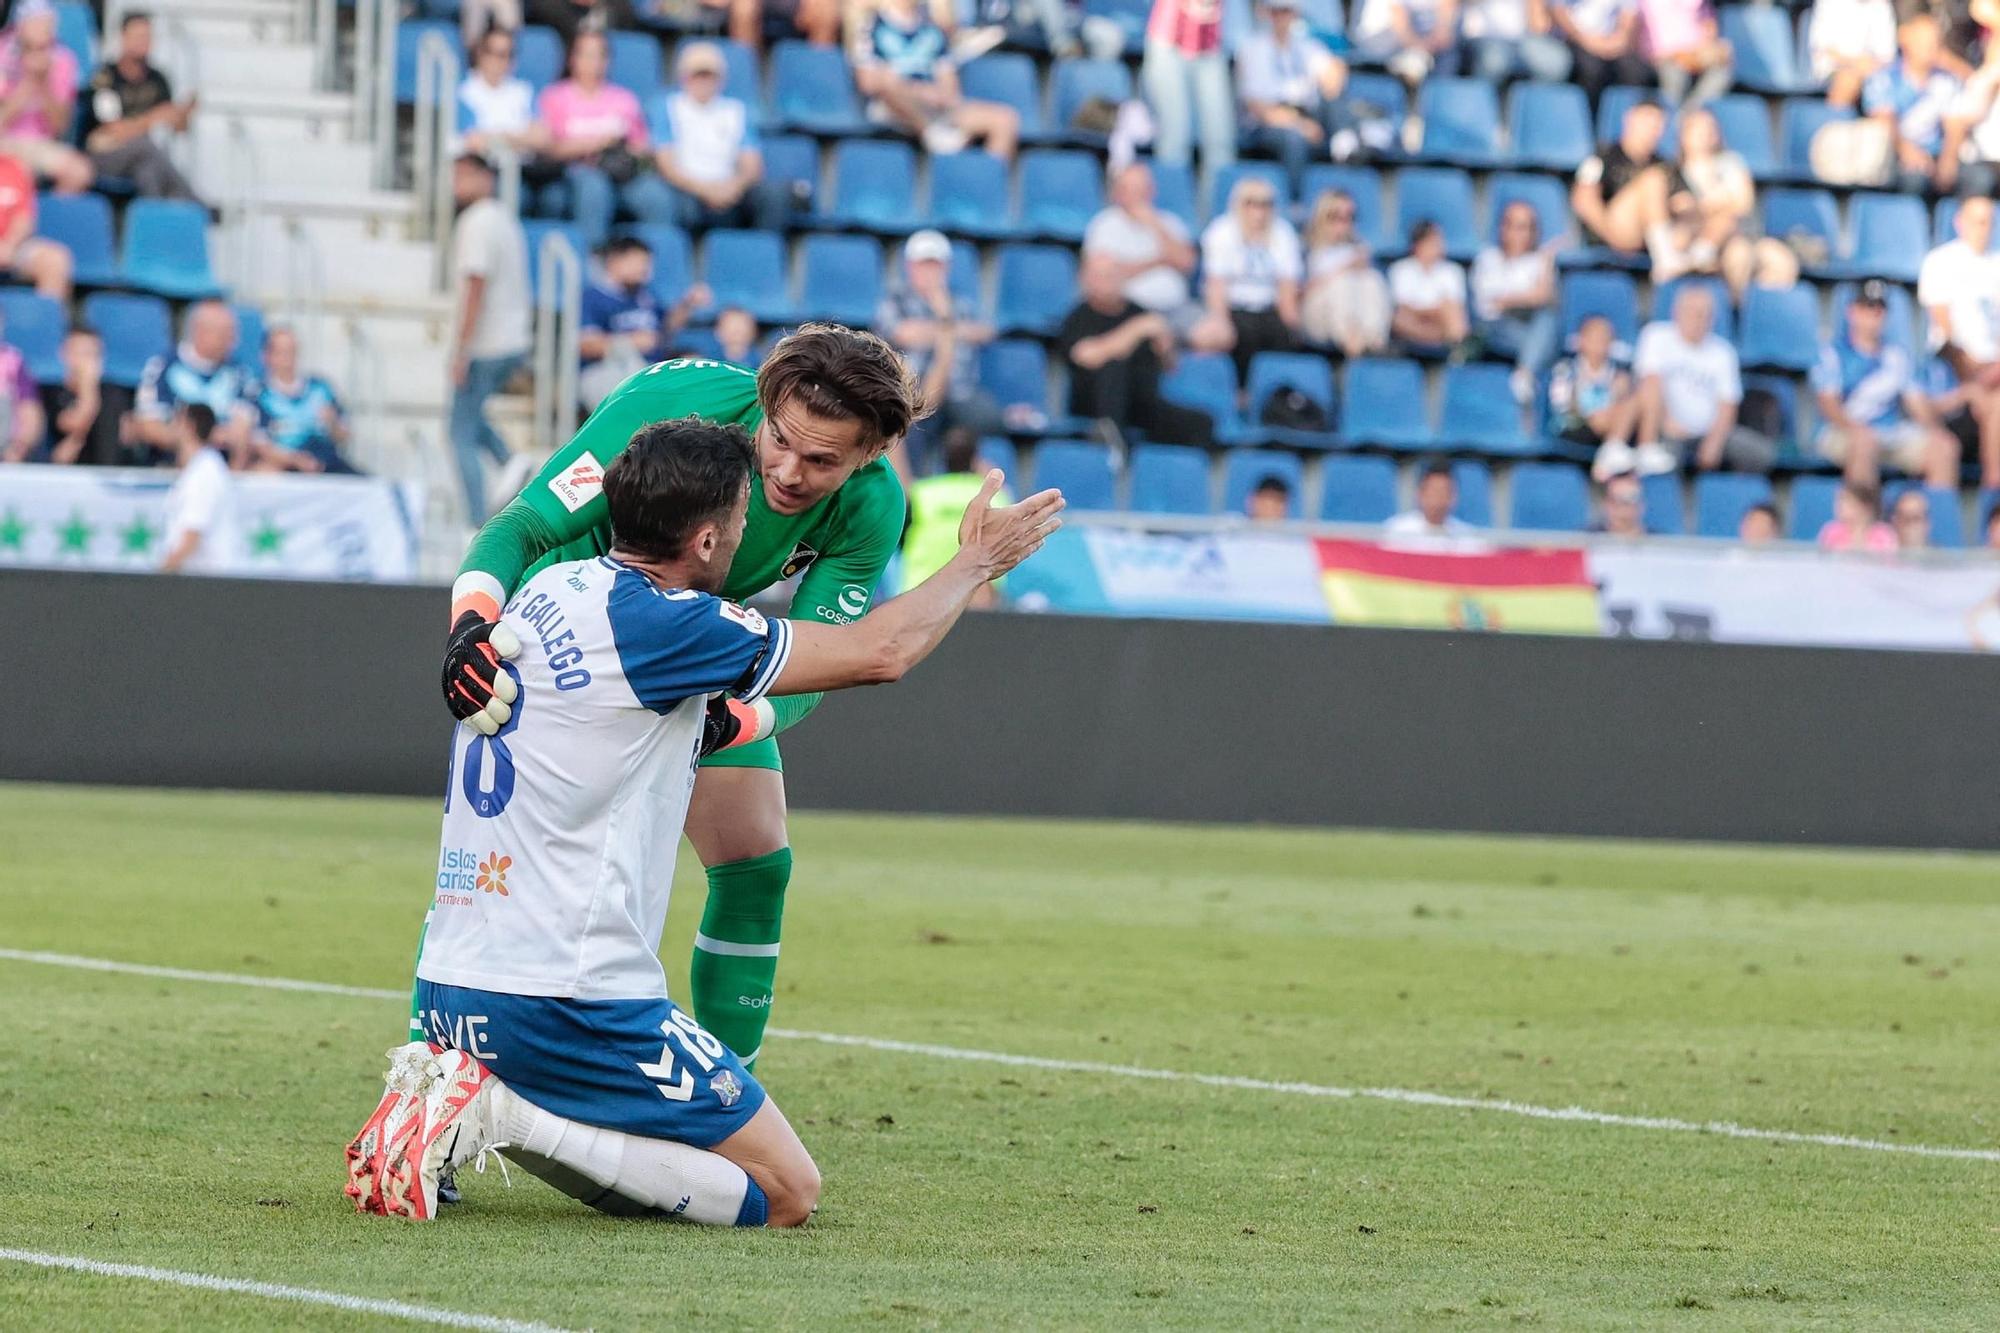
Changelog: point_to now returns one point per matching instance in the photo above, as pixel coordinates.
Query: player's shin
(735, 963)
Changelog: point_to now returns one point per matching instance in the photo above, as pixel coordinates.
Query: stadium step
(234, 26)
(268, 66)
(327, 113)
(277, 157)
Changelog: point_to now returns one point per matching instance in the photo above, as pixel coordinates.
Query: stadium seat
(793, 160)
(1364, 186)
(1613, 103)
(83, 223)
(1548, 196)
(1206, 382)
(1357, 488)
(747, 268)
(1175, 193)
(1784, 391)
(1613, 295)
(1891, 234)
(635, 63)
(166, 249)
(1798, 121)
(1007, 77)
(36, 325)
(135, 329)
(673, 260)
(739, 80)
(1550, 497)
(964, 272)
(1226, 178)
(1437, 194)
(1076, 82)
(1310, 374)
(1766, 50)
(76, 28)
(538, 56)
(1384, 92)
(1665, 509)
(812, 89)
(1037, 287)
(1382, 403)
(1479, 411)
(1811, 507)
(843, 278)
(874, 184)
(1475, 492)
(1781, 327)
(1548, 125)
(1082, 471)
(1720, 499)
(1016, 372)
(1810, 212)
(1745, 122)
(1245, 468)
(1725, 313)
(1170, 479)
(969, 194)
(1461, 122)
(537, 230)
(998, 451)
(409, 37)
(1129, 15)
(250, 333)
(1061, 190)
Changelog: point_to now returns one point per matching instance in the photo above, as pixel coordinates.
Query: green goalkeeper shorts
(757, 754)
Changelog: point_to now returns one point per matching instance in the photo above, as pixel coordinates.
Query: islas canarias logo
(492, 877)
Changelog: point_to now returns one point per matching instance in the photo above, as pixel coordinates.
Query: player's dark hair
(201, 420)
(135, 16)
(834, 371)
(673, 477)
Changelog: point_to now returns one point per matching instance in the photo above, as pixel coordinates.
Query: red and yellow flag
(1522, 591)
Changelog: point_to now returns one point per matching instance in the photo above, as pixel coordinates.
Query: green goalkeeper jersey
(842, 544)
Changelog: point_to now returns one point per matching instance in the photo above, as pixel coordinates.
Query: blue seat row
(164, 249)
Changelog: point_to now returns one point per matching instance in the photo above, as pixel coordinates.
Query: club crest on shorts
(801, 556)
(726, 1088)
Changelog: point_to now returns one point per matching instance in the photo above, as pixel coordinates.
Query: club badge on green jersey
(801, 556)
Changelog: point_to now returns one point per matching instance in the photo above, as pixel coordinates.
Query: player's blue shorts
(639, 1066)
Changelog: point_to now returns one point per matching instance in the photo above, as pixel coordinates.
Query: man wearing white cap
(706, 149)
(938, 332)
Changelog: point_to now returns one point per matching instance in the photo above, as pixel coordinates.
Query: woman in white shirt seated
(1429, 291)
(496, 108)
(1514, 297)
(1346, 301)
(1251, 267)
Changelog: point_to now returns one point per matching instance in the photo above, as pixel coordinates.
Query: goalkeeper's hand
(476, 690)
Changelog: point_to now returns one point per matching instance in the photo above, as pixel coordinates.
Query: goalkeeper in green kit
(823, 410)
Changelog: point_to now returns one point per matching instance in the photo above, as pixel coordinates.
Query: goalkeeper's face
(802, 458)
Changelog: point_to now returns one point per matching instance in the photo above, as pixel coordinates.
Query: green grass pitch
(198, 1126)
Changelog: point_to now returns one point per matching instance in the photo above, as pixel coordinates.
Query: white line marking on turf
(421, 1314)
(1406, 1096)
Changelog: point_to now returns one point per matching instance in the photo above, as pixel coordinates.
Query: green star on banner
(76, 534)
(268, 539)
(138, 536)
(13, 532)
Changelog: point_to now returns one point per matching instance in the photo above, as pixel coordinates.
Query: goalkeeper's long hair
(846, 374)
(672, 478)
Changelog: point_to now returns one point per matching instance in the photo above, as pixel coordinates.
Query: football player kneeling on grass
(540, 988)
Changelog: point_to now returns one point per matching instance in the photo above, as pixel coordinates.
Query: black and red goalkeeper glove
(476, 690)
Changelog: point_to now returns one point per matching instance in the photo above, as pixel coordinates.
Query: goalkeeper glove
(731, 722)
(476, 690)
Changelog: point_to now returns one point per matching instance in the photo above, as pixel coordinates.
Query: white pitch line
(337, 1300)
(1405, 1096)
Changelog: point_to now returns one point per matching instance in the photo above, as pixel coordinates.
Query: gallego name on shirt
(558, 640)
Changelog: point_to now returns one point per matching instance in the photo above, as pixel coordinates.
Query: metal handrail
(557, 361)
(238, 217)
(375, 23)
(437, 85)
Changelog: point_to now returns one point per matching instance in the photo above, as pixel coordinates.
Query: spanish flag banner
(1519, 591)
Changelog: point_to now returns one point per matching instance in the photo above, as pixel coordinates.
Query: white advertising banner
(288, 526)
(1233, 575)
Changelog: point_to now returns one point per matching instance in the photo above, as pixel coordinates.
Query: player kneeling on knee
(550, 1034)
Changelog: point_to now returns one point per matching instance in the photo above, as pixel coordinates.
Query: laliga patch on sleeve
(579, 483)
(751, 620)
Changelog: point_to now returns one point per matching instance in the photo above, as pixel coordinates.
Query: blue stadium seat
(409, 35)
(83, 223)
(1721, 498)
(1382, 403)
(747, 268)
(76, 28)
(1206, 382)
(1725, 313)
(1385, 92)
(1798, 121)
(1766, 50)
(250, 334)
(1442, 195)
(739, 76)
(1170, 479)
(1479, 411)
(1061, 190)
(538, 56)
(1175, 193)
(1129, 15)
(964, 272)
(635, 63)
(1781, 327)
(874, 184)
(1461, 122)
(1037, 287)
(1613, 103)
(1550, 497)
(1746, 129)
(1364, 186)
(1548, 196)
(673, 260)
(1665, 509)
(1549, 124)
(1310, 374)
(1475, 492)
(1891, 234)
(135, 329)
(1082, 471)
(793, 160)
(1809, 211)
(1784, 390)
(812, 89)
(969, 194)
(1077, 81)
(1007, 77)
(998, 451)
(843, 278)
(36, 325)
(1613, 295)
(535, 231)
(166, 249)
(1245, 468)
(1226, 178)
(1016, 372)
(1357, 488)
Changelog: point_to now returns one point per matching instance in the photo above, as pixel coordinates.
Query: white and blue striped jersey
(560, 832)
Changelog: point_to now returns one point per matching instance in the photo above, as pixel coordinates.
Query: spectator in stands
(1849, 40)
(38, 83)
(902, 61)
(817, 21)
(1621, 509)
(1603, 38)
(1857, 523)
(492, 327)
(1910, 518)
(1185, 76)
(1149, 245)
(1759, 525)
(1690, 58)
(1512, 39)
(23, 425)
(1959, 289)
(1437, 497)
(496, 107)
(736, 336)
(1412, 38)
(1869, 405)
(1290, 88)
(705, 147)
(201, 532)
(939, 333)
(1690, 386)
(79, 400)
(571, 17)
(1429, 293)
(1621, 192)
(45, 263)
(593, 138)
(1514, 296)
(128, 100)
(202, 369)
(621, 326)
(1116, 353)
(1591, 395)
(1910, 99)
(1993, 532)
(1346, 300)
(299, 414)
(1269, 501)
(1710, 215)
(1251, 267)
(1972, 130)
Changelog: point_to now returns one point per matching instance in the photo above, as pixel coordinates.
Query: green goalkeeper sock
(736, 951)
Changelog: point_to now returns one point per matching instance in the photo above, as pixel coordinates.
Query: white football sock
(624, 1173)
